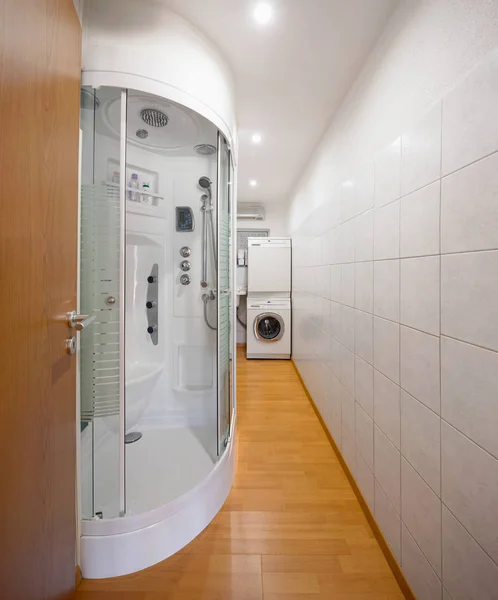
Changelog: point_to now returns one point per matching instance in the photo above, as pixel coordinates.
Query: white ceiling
(290, 76)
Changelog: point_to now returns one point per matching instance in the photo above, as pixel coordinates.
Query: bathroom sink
(241, 291)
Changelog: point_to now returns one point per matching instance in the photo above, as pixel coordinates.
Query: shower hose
(205, 299)
(244, 325)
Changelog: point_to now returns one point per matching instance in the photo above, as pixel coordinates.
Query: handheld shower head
(205, 183)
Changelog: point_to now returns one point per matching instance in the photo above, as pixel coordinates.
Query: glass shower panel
(171, 308)
(224, 293)
(155, 244)
(100, 295)
(232, 186)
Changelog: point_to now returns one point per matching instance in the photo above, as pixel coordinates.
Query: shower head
(205, 183)
(154, 117)
(205, 149)
(142, 134)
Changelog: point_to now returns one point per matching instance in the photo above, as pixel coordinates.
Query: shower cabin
(155, 369)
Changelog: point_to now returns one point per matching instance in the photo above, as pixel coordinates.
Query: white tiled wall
(396, 336)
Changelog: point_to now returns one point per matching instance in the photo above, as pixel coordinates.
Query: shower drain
(133, 436)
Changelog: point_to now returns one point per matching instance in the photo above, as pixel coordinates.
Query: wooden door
(40, 42)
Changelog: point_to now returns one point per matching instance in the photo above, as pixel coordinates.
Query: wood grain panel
(291, 528)
(40, 43)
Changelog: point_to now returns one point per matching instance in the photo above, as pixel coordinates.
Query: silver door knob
(185, 265)
(185, 251)
(185, 279)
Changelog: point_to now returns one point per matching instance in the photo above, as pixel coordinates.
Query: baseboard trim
(384, 546)
(78, 577)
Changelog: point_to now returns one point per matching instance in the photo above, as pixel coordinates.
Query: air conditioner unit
(250, 212)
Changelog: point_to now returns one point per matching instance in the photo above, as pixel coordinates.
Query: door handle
(77, 321)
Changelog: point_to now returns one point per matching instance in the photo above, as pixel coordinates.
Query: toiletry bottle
(115, 177)
(146, 197)
(132, 194)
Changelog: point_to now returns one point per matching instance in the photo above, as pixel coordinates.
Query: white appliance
(253, 212)
(269, 267)
(269, 328)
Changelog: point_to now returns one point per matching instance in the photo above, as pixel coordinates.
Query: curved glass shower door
(170, 357)
(155, 369)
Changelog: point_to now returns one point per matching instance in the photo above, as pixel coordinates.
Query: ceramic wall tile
(470, 487)
(421, 440)
(419, 303)
(469, 391)
(469, 288)
(419, 222)
(421, 152)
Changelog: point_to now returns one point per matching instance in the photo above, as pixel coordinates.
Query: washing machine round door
(269, 327)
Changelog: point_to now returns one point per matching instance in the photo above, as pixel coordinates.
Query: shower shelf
(130, 189)
(152, 210)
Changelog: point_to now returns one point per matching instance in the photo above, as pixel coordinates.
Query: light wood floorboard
(291, 528)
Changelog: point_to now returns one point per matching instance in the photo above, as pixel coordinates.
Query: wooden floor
(291, 528)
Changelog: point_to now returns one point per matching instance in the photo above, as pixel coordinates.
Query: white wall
(426, 48)
(275, 220)
(140, 44)
(395, 262)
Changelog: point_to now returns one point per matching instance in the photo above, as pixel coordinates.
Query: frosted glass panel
(224, 294)
(99, 296)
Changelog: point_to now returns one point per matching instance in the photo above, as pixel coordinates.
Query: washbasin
(241, 291)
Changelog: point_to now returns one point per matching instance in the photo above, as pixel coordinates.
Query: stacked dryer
(269, 298)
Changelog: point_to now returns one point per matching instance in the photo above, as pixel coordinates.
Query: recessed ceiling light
(253, 183)
(263, 13)
(256, 138)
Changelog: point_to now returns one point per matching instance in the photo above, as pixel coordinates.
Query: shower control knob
(185, 279)
(150, 304)
(185, 251)
(185, 265)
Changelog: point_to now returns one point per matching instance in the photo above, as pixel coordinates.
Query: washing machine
(269, 328)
